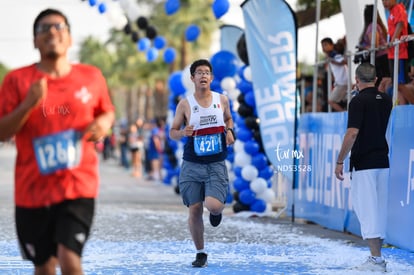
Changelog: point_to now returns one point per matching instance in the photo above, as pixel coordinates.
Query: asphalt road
(140, 227)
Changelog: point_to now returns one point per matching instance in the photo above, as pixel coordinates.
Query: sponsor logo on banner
(271, 49)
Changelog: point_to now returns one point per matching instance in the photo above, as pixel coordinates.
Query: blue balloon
(269, 183)
(259, 161)
(240, 184)
(237, 171)
(175, 84)
(266, 172)
(240, 121)
(224, 64)
(249, 99)
(102, 8)
(247, 196)
(230, 156)
(152, 54)
(251, 147)
(244, 134)
(168, 166)
(240, 72)
(229, 198)
(143, 44)
(159, 42)
(92, 2)
(172, 6)
(172, 106)
(172, 144)
(215, 85)
(169, 55)
(258, 205)
(220, 7)
(245, 86)
(192, 32)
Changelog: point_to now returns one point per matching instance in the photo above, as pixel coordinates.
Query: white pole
(395, 75)
(374, 33)
(316, 67)
(410, 9)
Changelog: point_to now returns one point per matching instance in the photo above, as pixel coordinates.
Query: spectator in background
(339, 69)
(156, 149)
(406, 91)
(135, 145)
(397, 27)
(123, 145)
(108, 145)
(308, 93)
(381, 56)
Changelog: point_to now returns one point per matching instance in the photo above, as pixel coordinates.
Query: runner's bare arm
(228, 120)
(100, 126)
(11, 123)
(180, 119)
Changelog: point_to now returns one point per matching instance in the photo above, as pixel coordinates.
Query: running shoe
(201, 260)
(372, 265)
(215, 220)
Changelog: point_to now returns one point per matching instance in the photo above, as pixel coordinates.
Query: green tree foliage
(306, 10)
(127, 68)
(3, 71)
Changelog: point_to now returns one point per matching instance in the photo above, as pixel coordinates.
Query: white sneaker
(371, 265)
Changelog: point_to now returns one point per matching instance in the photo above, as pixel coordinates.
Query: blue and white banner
(323, 199)
(401, 185)
(229, 36)
(271, 38)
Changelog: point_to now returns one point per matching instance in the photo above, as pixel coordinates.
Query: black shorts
(40, 230)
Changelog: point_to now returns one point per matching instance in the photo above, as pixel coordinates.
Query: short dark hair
(327, 40)
(48, 12)
(366, 72)
(200, 62)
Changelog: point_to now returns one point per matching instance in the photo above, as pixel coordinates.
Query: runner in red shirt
(56, 110)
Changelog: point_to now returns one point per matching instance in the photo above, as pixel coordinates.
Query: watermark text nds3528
(292, 155)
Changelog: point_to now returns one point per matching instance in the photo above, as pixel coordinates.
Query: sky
(16, 39)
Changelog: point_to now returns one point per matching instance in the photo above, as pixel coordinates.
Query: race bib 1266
(208, 145)
(58, 151)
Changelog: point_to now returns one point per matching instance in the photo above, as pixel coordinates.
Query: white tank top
(208, 143)
(209, 120)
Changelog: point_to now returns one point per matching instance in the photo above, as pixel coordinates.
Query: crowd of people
(138, 145)
(397, 28)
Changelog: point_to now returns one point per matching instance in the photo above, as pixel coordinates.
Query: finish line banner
(271, 38)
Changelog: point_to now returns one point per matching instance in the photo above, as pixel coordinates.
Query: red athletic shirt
(398, 14)
(72, 103)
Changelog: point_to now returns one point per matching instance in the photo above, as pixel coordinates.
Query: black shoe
(201, 260)
(215, 220)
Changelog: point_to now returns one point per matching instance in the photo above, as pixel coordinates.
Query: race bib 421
(208, 145)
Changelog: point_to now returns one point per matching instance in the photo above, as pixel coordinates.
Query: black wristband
(339, 163)
(231, 131)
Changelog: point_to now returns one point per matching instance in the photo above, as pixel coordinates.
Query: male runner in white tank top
(204, 120)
